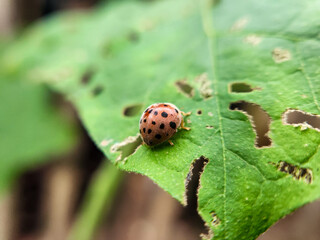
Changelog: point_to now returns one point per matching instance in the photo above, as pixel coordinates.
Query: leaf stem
(97, 203)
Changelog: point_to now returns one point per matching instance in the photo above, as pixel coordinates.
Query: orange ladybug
(159, 122)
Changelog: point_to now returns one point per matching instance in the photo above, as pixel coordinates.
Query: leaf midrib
(208, 29)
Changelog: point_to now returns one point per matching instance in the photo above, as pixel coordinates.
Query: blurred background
(45, 201)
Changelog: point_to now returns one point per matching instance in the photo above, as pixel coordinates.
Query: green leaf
(251, 55)
(31, 128)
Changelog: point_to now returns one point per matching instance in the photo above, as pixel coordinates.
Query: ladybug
(159, 122)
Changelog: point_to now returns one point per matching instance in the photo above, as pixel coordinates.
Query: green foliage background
(32, 130)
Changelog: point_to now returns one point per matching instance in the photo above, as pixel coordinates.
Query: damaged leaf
(240, 193)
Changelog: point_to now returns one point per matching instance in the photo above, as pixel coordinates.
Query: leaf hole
(207, 236)
(280, 55)
(97, 90)
(296, 172)
(209, 127)
(127, 147)
(215, 220)
(240, 24)
(133, 36)
(300, 118)
(204, 86)
(199, 112)
(192, 184)
(87, 76)
(259, 119)
(240, 87)
(253, 39)
(132, 110)
(105, 142)
(185, 88)
(193, 178)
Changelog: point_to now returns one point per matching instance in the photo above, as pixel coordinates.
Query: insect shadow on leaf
(299, 118)
(260, 121)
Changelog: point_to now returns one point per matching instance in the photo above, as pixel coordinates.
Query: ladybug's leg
(171, 143)
(183, 127)
(186, 114)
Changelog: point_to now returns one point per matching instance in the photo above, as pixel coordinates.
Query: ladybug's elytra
(159, 122)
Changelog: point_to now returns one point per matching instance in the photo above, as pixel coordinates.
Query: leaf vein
(303, 69)
(252, 165)
(210, 34)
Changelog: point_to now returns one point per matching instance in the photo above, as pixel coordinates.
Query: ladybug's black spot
(144, 130)
(161, 126)
(173, 125)
(149, 131)
(164, 114)
(165, 105)
(150, 142)
(167, 134)
(144, 120)
(153, 123)
(151, 111)
(158, 136)
(176, 110)
(146, 110)
(155, 113)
